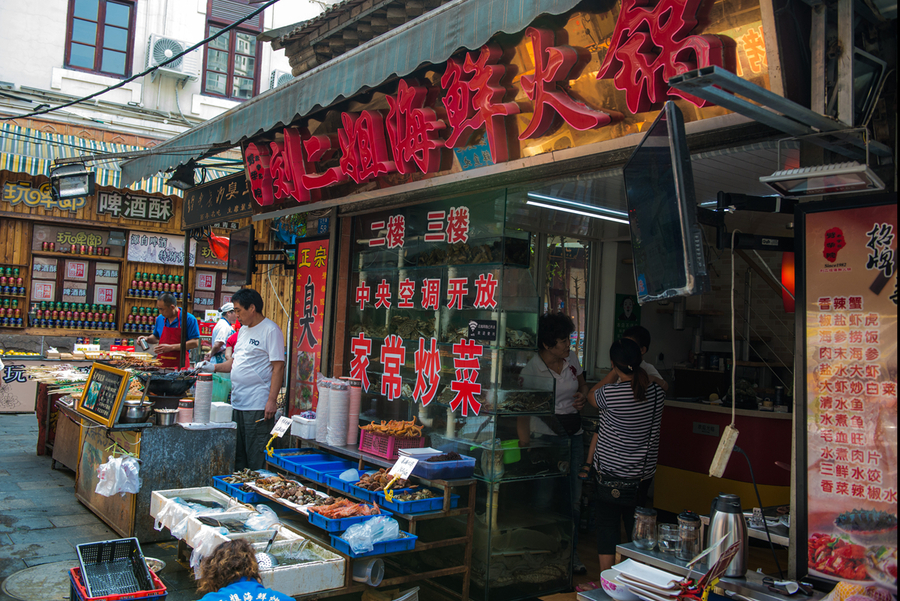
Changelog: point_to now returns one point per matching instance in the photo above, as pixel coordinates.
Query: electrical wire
(733, 337)
(759, 500)
(146, 71)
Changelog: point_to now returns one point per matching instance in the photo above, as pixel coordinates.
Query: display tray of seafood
(290, 493)
(378, 480)
(341, 514)
(523, 401)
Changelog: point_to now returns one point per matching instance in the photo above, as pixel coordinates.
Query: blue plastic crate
(332, 480)
(419, 506)
(361, 493)
(234, 490)
(294, 463)
(280, 455)
(328, 525)
(445, 470)
(406, 543)
(316, 471)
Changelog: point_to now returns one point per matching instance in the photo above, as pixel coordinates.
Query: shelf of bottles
(146, 288)
(12, 298)
(72, 316)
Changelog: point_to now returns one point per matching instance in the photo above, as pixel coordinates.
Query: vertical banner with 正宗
(851, 394)
(309, 317)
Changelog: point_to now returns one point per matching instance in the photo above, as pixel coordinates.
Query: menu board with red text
(851, 392)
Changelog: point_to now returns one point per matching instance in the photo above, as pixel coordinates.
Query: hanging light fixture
(72, 180)
(183, 176)
(823, 180)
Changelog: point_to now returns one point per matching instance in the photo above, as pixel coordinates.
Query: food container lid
(689, 516)
(187, 403)
(205, 377)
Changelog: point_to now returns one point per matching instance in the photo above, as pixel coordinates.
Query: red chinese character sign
(309, 316)
(552, 65)
(851, 390)
(651, 44)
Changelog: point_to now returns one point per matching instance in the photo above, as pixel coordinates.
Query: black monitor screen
(665, 237)
(240, 257)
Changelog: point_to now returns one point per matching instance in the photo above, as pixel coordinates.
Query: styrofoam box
(303, 427)
(194, 532)
(160, 498)
(220, 412)
(301, 579)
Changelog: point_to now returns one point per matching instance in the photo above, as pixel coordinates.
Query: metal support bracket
(729, 203)
(284, 260)
(724, 88)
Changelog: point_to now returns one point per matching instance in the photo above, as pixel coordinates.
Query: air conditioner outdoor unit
(161, 48)
(279, 78)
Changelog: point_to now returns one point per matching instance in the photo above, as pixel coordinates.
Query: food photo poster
(851, 393)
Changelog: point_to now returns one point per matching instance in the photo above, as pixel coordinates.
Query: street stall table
(92, 427)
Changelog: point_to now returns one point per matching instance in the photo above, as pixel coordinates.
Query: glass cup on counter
(668, 538)
(689, 532)
(644, 533)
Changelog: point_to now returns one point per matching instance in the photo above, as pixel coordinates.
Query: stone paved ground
(41, 521)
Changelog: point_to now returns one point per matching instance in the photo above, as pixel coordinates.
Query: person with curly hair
(231, 572)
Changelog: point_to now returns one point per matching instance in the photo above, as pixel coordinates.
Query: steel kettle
(727, 519)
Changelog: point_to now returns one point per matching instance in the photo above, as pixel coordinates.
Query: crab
(519, 338)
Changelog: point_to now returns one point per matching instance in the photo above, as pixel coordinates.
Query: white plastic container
(303, 427)
(301, 579)
(220, 413)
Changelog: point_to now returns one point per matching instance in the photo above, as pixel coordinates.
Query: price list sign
(103, 394)
(851, 390)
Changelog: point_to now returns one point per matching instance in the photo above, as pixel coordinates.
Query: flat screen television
(666, 239)
(240, 257)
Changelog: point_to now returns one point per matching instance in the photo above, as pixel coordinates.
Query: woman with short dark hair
(231, 572)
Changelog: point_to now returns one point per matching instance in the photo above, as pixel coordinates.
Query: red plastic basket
(79, 592)
(382, 445)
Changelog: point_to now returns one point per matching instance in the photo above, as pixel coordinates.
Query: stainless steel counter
(751, 586)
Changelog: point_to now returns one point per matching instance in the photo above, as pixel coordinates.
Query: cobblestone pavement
(41, 521)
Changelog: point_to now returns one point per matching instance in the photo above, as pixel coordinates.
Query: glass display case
(443, 319)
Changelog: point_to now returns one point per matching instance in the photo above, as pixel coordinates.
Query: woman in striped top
(628, 439)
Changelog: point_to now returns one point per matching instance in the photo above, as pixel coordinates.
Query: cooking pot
(166, 417)
(135, 412)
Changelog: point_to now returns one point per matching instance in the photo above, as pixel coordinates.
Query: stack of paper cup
(338, 412)
(203, 398)
(322, 410)
(353, 413)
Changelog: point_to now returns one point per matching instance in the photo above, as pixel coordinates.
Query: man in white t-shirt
(224, 328)
(257, 373)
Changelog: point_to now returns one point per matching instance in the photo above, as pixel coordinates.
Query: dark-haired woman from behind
(231, 572)
(628, 440)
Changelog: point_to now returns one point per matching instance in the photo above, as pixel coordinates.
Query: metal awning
(31, 151)
(430, 39)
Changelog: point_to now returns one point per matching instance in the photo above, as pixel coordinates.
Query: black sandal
(585, 472)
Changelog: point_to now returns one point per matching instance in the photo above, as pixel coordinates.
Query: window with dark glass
(100, 36)
(231, 64)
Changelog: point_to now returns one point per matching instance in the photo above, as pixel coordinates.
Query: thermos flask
(726, 519)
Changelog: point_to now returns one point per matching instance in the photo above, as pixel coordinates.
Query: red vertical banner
(309, 316)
